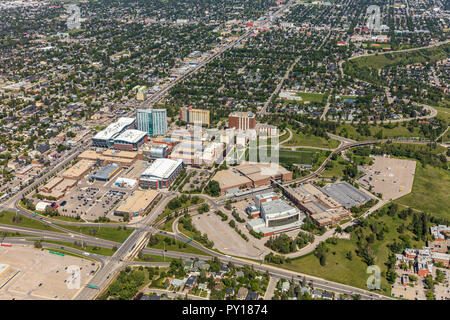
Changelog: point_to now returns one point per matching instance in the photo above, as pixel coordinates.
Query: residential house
(252, 296)
(242, 293)
(191, 281)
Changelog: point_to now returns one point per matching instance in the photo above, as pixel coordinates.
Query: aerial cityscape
(224, 150)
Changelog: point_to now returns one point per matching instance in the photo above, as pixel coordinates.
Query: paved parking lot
(225, 238)
(393, 178)
(92, 202)
(41, 275)
(198, 177)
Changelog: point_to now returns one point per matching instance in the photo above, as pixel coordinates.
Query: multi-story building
(276, 216)
(160, 174)
(152, 121)
(242, 120)
(189, 115)
(323, 209)
(105, 138)
(130, 140)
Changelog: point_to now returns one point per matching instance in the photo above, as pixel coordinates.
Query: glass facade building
(152, 121)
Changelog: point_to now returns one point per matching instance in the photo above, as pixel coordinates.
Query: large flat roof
(114, 128)
(228, 179)
(138, 200)
(106, 171)
(120, 153)
(161, 168)
(264, 169)
(131, 136)
(346, 194)
(277, 209)
(78, 168)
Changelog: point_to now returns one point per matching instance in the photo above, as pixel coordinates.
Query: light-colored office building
(160, 174)
(105, 138)
(189, 115)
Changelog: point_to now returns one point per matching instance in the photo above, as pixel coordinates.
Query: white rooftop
(161, 168)
(131, 136)
(114, 128)
(276, 209)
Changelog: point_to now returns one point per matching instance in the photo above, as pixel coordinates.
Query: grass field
(430, 192)
(6, 217)
(312, 97)
(167, 226)
(417, 56)
(300, 139)
(444, 114)
(178, 246)
(339, 268)
(112, 234)
(337, 170)
(296, 157)
(63, 218)
(154, 258)
(91, 249)
(394, 132)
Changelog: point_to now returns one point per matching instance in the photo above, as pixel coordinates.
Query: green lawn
(91, 249)
(178, 246)
(167, 226)
(339, 268)
(296, 157)
(430, 192)
(443, 113)
(186, 204)
(300, 139)
(107, 233)
(154, 258)
(63, 218)
(312, 97)
(337, 170)
(349, 131)
(6, 217)
(417, 56)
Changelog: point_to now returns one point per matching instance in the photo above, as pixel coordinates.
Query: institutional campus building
(276, 215)
(189, 115)
(105, 138)
(327, 206)
(160, 174)
(242, 120)
(250, 175)
(130, 140)
(152, 121)
(105, 173)
(136, 204)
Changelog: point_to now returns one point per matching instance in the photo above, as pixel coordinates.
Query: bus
(92, 286)
(57, 253)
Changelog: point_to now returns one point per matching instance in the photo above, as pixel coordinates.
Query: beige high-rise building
(190, 115)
